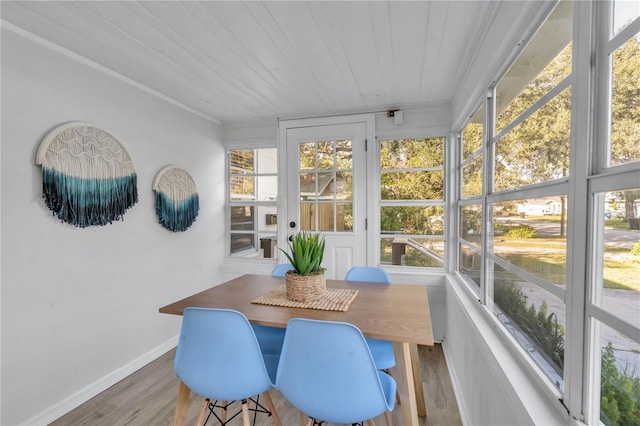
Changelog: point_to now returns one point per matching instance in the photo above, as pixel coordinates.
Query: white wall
(80, 306)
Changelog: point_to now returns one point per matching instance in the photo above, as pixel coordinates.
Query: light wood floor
(147, 397)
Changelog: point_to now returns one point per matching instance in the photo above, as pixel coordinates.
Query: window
(528, 250)
(614, 190)
(472, 156)
(326, 186)
(522, 260)
(526, 196)
(252, 193)
(412, 202)
(624, 146)
(470, 204)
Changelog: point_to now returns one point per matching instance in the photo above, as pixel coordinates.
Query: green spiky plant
(307, 251)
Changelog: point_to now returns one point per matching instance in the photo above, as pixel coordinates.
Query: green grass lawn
(611, 223)
(546, 258)
(620, 270)
(616, 224)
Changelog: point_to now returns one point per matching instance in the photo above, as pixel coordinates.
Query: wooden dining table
(395, 312)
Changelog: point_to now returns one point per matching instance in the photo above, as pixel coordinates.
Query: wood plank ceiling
(234, 60)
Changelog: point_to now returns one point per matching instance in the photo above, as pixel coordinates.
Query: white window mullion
(602, 84)
(614, 322)
(577, 238)
(486, 277)
(540, 190)
(452, 193)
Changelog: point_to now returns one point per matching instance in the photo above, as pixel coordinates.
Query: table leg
(182, 402)
(417, 380)
(405, 381)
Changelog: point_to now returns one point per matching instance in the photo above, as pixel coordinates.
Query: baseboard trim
(83, 395)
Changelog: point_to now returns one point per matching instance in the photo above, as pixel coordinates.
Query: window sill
(244, 265)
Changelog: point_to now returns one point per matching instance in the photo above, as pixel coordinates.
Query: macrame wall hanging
(87, 176)
(177, 201)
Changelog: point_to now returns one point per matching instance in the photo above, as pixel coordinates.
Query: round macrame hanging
(87, 176)
(177, 201)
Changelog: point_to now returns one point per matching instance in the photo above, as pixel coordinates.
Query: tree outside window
(412, 202)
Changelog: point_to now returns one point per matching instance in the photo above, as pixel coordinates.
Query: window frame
(553, 187)
(256, 204)
(601, 178)
(380, 203)
(589, 175)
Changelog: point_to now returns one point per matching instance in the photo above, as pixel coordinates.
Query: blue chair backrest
(281, 269)
(218, 356)
(327, 372)
(372, 274)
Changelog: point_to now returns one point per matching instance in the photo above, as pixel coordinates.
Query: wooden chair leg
(387, 418)
(370, 422)
(272, 408)
(182, 403)
(245, 413)
(223, 413)
(203, 410)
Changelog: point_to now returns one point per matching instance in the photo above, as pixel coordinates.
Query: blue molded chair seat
(219, 358)
(271, 338)
(326, 371)
(382, 350)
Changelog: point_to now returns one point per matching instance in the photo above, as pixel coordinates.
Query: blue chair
(382, 350)
(281, 269)
(271, 338)
(218, 357)
(326, 371)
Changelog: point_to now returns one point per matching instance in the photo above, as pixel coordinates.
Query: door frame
(371, 176)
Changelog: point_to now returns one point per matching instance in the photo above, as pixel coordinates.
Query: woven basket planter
(305, 288)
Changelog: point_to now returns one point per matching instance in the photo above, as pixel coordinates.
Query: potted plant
(306, 281)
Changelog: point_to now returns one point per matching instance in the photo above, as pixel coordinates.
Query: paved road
(625, 304)
(623, 238)
(626, 238)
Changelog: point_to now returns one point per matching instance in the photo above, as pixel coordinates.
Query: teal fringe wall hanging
(87, 176)
(177, 202)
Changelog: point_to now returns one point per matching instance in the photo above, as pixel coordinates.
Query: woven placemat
(335, 299)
